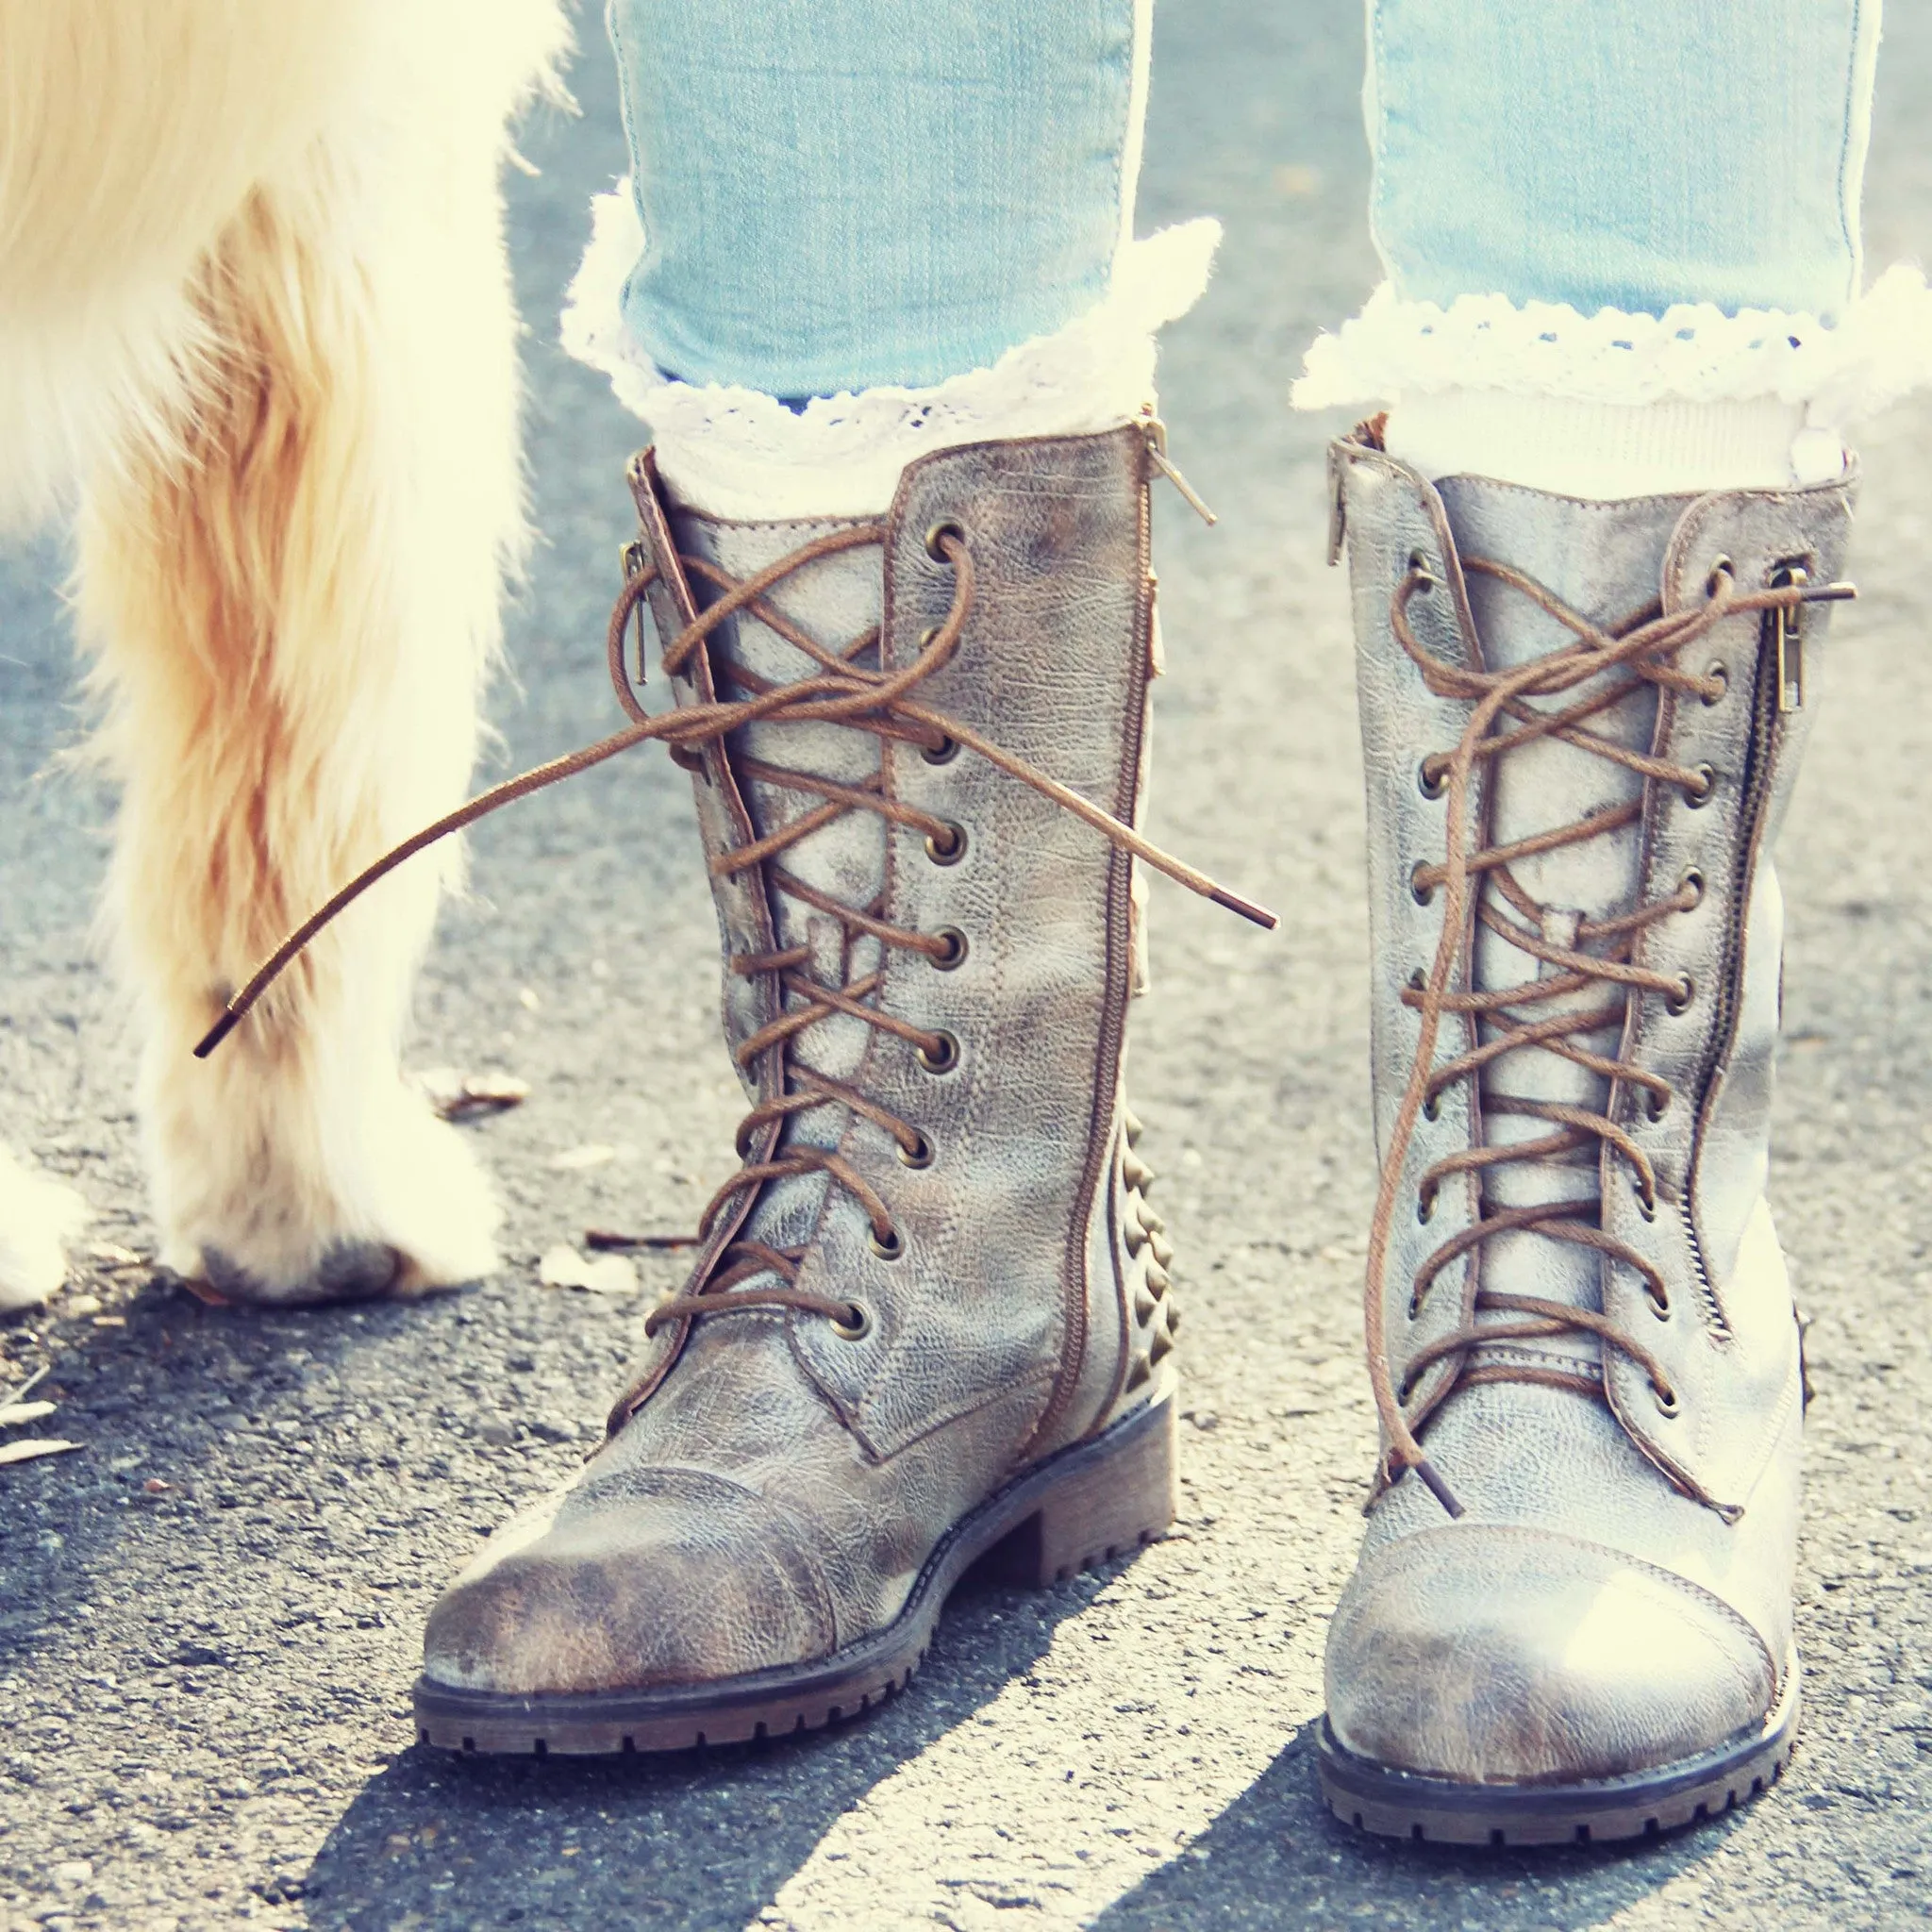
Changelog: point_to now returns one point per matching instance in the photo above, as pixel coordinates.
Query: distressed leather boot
(1572, 1614)
(930, 1323)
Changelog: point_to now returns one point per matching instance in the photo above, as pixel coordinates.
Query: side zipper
(1778, 689)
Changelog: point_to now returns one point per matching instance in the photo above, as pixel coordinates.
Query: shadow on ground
(709, 1839)
(1277, 1857)
(702, 1839)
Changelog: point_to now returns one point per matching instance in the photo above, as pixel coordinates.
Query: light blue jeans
(838, 194)
(1622, 154)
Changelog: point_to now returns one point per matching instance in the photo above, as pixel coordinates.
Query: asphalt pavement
(210, 1615)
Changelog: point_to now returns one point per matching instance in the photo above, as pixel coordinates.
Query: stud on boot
(1572, 1614)
(918, 1334)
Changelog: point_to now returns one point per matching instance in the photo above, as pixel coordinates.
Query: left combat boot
(930, 1323)
(1572, 1615)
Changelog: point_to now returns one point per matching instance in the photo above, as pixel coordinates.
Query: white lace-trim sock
(1613, 403)
(739, 453)
(1602, 451)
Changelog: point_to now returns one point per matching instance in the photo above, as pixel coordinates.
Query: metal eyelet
(950, 850)
(1678, 1000)
(858, 1328)
(887, 1250)
(943, 1056)
(1430, 788)
(1719, 670)
(1708, 783)
(936, 535)
(1421, 893)
(1693, 882)
(919, 1155)
(943, 753)
(956, 948)
(1666, 1400)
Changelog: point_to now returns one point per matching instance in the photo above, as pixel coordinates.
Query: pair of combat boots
(931, 1321)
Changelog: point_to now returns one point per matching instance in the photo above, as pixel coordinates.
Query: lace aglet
(604, 1241)
(1259, 915)
(218, 1032)
(1436, 1487)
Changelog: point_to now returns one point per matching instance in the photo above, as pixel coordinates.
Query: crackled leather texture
(775, 1487)
(1502, 1647)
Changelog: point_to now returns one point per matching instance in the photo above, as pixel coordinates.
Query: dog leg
(292, 617)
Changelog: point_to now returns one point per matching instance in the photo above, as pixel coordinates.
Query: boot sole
(1398, 1804)
(1084, 1505)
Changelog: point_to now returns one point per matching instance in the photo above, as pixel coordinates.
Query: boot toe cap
(657, 1579)
(1493, 1654)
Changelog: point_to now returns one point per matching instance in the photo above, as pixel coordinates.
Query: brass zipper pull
(1788, 627)
(1788, 638)
(1338, 506)
(631, 559)
(1156, 432)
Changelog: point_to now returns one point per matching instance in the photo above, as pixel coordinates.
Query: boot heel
(1112, 1497)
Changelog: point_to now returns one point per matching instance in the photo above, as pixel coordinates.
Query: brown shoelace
(843, 691)
(1643, 649)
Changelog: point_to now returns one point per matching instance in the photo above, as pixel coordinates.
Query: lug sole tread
(1393, 1804)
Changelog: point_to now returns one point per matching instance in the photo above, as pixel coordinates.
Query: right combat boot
(1572, 1614)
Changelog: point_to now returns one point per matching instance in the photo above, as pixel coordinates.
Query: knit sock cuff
(1393, 350)
(1604, 451)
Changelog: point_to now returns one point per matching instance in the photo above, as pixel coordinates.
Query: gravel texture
(210, 1614)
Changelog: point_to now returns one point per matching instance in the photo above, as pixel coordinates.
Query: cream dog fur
(254, 306)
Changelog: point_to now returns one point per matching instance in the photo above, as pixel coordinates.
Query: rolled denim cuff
(1878, 350)
(740, 453)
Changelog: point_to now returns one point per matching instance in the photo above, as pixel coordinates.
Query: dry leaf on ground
(460, 1097)
(31, 1448)
(591, 1154)
(563, 1267)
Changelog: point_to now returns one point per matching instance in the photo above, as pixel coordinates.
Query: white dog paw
(403, 1210)
(435, 1206)
(38, 1218)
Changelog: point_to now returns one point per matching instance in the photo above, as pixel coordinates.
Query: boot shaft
(1680, 783)
(989, 928)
